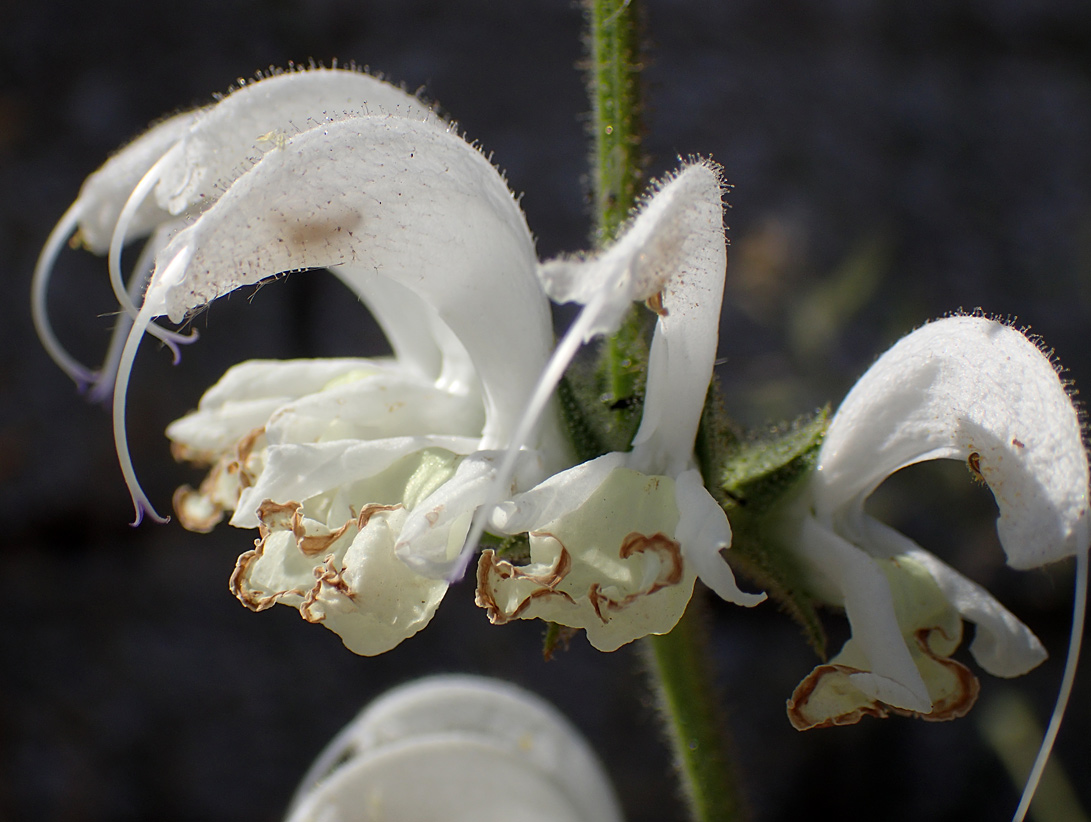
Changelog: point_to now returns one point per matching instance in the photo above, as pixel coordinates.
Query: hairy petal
(388, 198)
(958, 387)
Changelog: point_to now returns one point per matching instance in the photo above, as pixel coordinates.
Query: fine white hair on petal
(675, 230)
(392, 198)
(437, 748)
(970, 388)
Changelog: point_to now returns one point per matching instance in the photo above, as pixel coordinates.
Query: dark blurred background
(892, 161)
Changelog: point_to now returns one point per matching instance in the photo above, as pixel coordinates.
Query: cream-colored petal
(370, 598)
(610, 565)
(848, 576)
(1002, 644)
(704, 532)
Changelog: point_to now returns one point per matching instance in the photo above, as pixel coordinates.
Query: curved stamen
(43, 271)
(1075, 640)
(150, 179)
(153, 305)
(103, 387)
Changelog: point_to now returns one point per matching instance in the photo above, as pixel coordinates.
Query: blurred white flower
(616, 543)
(966, 388)
(457, 748)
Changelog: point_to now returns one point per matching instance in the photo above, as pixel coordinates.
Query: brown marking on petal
(636, 543)
(328, 576)
(797, 705)
(489, 565)
(1017, 444)
(433, 515)
(974, 463)
(278, 516)
(670, 571)
(655, 303)
(239, 577)
(954, 706)
(959, 703)
(181, 501)
(370, 510)
(312, 546)
(320, 231)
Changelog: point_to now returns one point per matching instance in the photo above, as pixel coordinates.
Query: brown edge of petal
(802, 694)
(959, 703)
(198, 525)
(488, 564)
(248, 598)
(637, 543)
(370, 510)
(329, 576)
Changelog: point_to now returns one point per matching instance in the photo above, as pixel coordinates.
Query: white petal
(865, 592)
(104, 193)
(962, 386)
(376, 404)
(1002, 644)
(301, 471)
(678, 226)
(465, 710)
(390, 198)
(227, 138)
(703, 531)
(554, 497)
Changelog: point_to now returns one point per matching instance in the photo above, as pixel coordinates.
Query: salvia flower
(967, 388)
(363, 477)
(336, 463)
(616, 543)
(457, 748)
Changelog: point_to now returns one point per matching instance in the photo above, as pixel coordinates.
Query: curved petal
(398, 199)
(103, 195)
(968, 388)
(679, 224)
(257, 117)
(464, 710)
(857, 581)
(703, 531)
(1002, 644)
(381, 197)
(300, 471)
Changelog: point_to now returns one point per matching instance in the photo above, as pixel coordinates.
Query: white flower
(181, 166)
(616, 543)
(965, 388)
(360, 475)
(457, 748)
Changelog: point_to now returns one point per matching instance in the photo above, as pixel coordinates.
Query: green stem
(614, 89)
(694, 720)
(676, 661)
